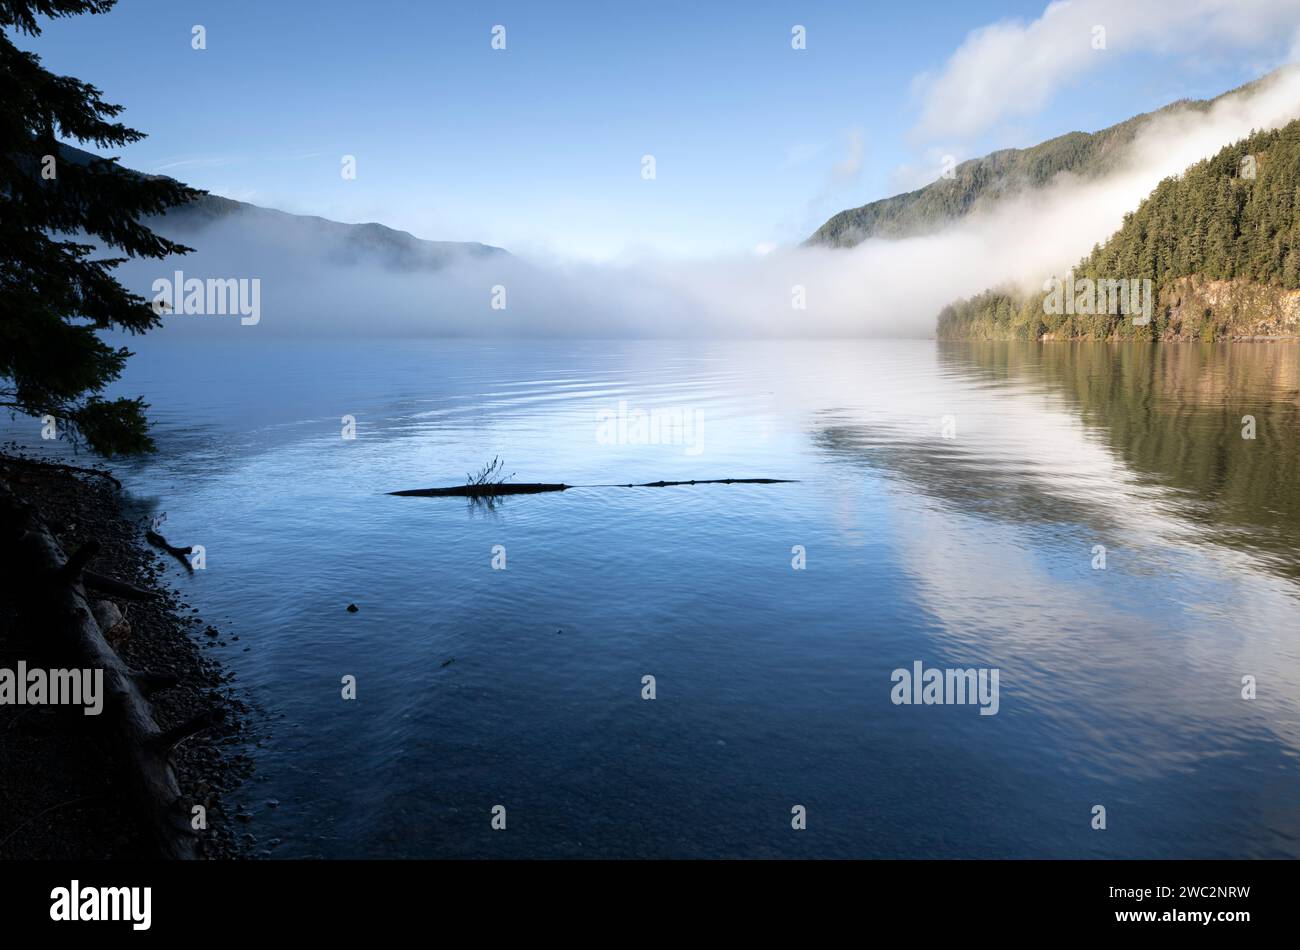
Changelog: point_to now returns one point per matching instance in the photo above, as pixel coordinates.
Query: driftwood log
(483, 491)
(76, 469)
(145, 748)
(181, 554)
(110, 585)
(495, 489)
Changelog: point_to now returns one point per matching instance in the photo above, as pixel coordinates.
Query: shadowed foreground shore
(66, 788)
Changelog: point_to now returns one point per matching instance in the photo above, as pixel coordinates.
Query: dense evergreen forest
(1232, 217)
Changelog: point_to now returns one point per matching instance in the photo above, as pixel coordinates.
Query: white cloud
(1013, 68)
(207, 161)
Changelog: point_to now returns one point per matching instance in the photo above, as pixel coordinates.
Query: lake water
(966, 541)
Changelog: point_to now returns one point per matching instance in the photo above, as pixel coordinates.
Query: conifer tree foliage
(1235, 216)
(56, 294)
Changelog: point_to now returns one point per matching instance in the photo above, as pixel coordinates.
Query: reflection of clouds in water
(1082, 650)
(1003, 562)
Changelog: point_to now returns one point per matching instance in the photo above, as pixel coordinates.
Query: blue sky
(538, 147)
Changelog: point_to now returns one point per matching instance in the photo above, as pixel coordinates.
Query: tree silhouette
(55, 296)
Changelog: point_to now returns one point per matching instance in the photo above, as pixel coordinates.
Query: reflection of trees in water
(1174, 413)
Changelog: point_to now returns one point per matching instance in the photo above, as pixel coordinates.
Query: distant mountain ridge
(981, 182)
(344, 243)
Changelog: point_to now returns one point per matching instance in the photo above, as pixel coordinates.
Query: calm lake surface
(522, 687)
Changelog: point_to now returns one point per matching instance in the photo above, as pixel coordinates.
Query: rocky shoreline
(1189, 310)
(63, 791)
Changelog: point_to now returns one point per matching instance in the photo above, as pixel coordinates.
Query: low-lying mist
(879, 288)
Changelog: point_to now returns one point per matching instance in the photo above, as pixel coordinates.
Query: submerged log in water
(484, 491)
(717, 481)
(181, 554)
(532, 488)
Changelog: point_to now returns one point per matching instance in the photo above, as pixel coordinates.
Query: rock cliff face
(1200, 309)
(1190, 308)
